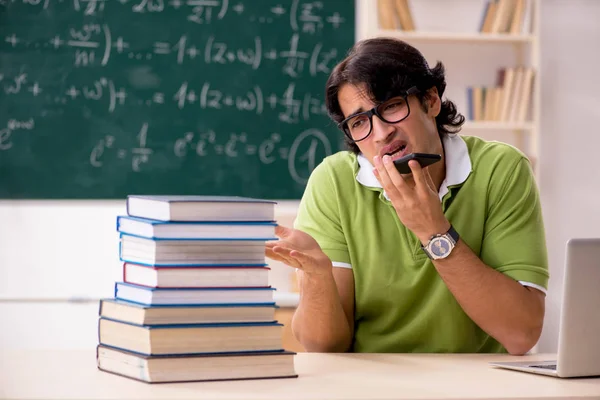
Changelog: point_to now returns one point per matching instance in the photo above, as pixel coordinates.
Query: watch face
(440, 247)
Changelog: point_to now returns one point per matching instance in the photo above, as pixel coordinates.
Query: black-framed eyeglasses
(358, 127)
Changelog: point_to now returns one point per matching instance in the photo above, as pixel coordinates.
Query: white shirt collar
(458, 165)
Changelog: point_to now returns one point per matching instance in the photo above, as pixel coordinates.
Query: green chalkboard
(104, 98)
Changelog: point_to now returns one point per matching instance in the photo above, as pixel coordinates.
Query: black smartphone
(424, 160)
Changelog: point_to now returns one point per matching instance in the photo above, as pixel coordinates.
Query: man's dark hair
(388, 67)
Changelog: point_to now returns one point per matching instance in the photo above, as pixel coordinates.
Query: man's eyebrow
(357, 111)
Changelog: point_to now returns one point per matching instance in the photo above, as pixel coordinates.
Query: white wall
(570, 137)
(52, 249)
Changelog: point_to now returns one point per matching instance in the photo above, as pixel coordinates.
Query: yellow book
(386, 14)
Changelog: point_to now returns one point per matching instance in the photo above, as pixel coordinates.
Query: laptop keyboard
(544, 366)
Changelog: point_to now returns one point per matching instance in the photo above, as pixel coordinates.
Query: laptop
(579, 329)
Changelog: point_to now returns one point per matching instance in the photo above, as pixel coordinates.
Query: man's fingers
(284, 254)
(395, 177)
(429, 179)
(418, 175)
(282, 231)
(384, 177)
(302, 258)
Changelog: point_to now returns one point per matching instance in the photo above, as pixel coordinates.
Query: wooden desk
(72, 374)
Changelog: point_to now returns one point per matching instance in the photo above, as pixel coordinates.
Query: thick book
(195, 277)
(140, 314)
(200, 208)
(167, 252)
(188, 296)
(192, 338)
(191, 368)
(152, 229)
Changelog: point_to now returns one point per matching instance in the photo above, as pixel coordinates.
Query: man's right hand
(299, 250)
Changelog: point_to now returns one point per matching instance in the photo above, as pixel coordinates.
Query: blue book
(200, 208)
(204, 230)
(191, 338)
(192, 296)
(139, 314)
(191, 253)
(165, 368)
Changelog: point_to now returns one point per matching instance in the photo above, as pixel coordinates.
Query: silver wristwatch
(441, 245)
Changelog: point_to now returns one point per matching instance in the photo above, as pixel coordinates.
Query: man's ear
(433, 102)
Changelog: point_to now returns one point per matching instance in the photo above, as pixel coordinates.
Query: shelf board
(455, 36)
(497, 125)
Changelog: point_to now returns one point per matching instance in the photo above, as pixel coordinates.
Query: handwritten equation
(141, 86)
(289, 108)
(302, 16)
(302, 155)
(93, 46)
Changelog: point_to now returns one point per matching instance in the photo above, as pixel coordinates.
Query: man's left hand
(417, 205)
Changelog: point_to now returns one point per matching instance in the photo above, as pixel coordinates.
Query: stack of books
(195, 302)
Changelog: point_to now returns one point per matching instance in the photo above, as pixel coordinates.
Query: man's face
(415, 134)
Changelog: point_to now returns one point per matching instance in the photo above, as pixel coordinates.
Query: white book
(188, 296)
(195, 277)
(174, 252)
(200, 208)
(196, 230)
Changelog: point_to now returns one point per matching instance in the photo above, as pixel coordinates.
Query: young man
(448, 258)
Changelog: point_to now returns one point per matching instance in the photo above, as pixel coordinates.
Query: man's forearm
(319, 322)
(501, 306)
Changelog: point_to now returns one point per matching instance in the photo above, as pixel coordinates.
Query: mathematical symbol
(56, 42)
(12, 39)
(193, 52)
(262, 19)
(176, 4)
(230, 57)
(219, 149)
(72, 92)
(121, 95)
(283, 153)
(120, 45)
(278, 10)
(228, 101)
(159, 98)
(272, 100)
(161, 48)
(191, 97)
(335, 20)
(35, 89)
(238, 8)
(271, 54)
(121, 153)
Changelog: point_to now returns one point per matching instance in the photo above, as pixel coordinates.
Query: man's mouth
(395, 149)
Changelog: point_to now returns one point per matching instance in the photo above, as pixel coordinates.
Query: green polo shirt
(401, 303)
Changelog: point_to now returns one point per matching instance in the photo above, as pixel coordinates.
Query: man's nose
(381, 129)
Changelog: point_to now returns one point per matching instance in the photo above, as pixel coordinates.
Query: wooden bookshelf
(516, 25)
(455, 36)
(497, 126)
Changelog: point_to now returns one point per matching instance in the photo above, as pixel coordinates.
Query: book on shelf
(168, 252)
(395, 14)
(508, 101)
(195, 277)
(191, 338)
(507, 16)
(213, 230)
(190, 368)
(140, 314)
(165, 296)
(200, 208)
